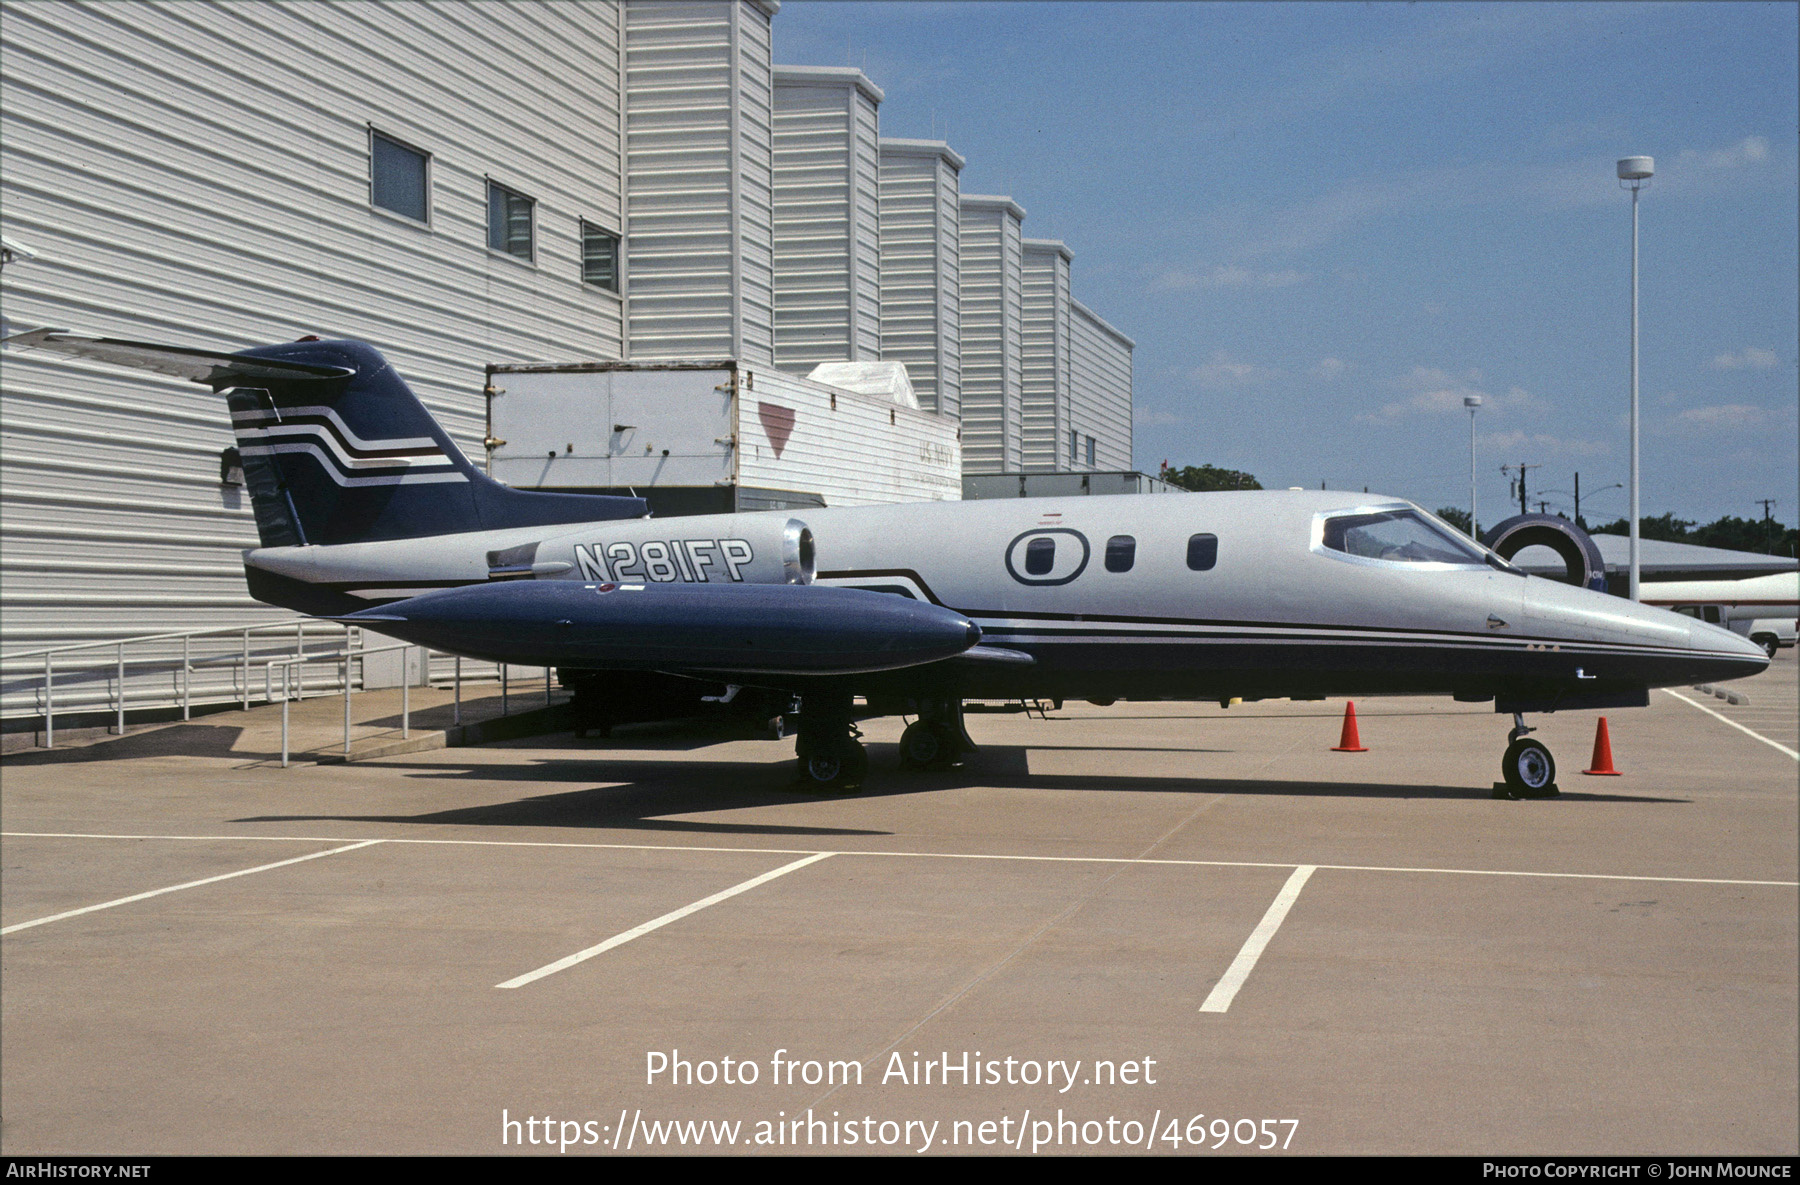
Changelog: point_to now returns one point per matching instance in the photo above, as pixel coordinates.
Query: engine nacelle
(709, 549)
(1580, 554)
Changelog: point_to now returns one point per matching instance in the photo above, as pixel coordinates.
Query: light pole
(1634, 171)
(1472, 402)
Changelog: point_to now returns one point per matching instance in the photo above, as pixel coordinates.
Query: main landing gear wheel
(928, 744)
(831, 756)
(838, 766)
(1529, 770)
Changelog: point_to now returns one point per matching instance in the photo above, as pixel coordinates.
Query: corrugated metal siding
(198, 173)
(1044, 404)
(991, 299)
(855, 449)
(920, 273)
(1100, 382)
(698, 182)
(827, 219)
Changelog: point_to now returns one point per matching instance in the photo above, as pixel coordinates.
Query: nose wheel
(1528, 769)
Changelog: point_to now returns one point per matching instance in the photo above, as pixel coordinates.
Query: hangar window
(1040, 556)
(1121, 553)
(599, 257)
(399, 177)
(1402, 536)
(1203, 552)
(509, 221)
(1090, 452)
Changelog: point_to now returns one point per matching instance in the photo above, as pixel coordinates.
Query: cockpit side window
(1399, 536)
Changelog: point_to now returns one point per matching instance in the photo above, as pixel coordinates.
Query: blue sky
(1325, 224)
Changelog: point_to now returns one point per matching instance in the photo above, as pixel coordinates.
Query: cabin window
(1400, 536)
(1203, 552)
(1121, 553)
(1040, 557)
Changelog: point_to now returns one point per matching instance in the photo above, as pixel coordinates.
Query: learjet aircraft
(369, 514)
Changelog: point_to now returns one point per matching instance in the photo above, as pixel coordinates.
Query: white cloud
(1223, 371)
(1434, 390)
(1750, 358)
(1148, 417)
(1751, 150)
(1541, 442)
(1225, 276)
(1724, 417)
(1329, 369)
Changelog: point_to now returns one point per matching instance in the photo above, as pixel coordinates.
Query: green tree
(1734, 534)
(1456, 518)
(1201, 478)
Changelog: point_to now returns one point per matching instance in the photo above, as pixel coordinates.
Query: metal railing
(345, 658)
(212, 667)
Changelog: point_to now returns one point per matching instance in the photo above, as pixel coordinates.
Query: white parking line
(1219, 999)
(57, 917)
(1717, 716)
(648, 847)
(657, 923)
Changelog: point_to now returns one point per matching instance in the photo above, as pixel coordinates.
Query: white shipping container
(764, 437)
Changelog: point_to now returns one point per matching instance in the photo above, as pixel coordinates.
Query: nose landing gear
(1528, 769)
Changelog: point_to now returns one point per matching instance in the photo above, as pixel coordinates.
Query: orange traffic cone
(1602, 760)
(1349, 742)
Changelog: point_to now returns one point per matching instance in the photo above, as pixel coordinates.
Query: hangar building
(464, 185)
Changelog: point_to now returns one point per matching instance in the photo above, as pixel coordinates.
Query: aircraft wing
(751, 630)
(201, 366)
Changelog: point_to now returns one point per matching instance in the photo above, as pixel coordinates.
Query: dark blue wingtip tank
(334, 458)
(749, 629)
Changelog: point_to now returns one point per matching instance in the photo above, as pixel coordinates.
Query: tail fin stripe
(336, 474)
(347, 457)
(328, 416)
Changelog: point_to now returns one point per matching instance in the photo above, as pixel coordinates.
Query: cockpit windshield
(1400, 536)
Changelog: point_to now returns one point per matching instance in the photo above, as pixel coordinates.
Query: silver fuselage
(1276, 613)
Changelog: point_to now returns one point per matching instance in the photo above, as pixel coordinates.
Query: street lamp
(1472, 402)
(1634, 171)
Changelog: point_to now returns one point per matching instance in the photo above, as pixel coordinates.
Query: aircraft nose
(1742, 655)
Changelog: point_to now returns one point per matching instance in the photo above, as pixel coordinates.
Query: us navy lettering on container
(664, 561)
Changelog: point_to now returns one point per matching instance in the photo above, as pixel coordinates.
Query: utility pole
(1507, 469)
(1578, 521)
(1769, 504)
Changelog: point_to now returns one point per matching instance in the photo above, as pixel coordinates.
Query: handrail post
(121, 726)
(187, 667)
(49, 701)
(284, 718)
(456, 706)
(299, 652)
(503, 689)
(246, 668)
(405, 694)
(546, 687)
(346, 705)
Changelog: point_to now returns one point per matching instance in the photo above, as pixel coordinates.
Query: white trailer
(714, 436)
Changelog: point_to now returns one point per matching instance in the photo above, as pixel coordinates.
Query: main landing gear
(830, 749)
(1528, 768)
(829, 746)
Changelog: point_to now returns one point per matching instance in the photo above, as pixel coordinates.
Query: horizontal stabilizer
(201, 366)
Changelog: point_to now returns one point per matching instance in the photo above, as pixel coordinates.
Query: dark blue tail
(357, 459)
